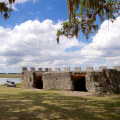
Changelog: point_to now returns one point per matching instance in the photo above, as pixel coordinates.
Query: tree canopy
(84, 16)
(6, 8)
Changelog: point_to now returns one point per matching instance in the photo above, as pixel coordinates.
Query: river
(3, 80)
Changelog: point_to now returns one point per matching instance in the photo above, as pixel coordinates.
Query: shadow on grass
(52, 106)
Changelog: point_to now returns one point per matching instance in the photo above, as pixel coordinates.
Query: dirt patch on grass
(73, 93)
(65, 92)
(76, 93)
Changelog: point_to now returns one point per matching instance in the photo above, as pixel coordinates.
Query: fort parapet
(103, 80)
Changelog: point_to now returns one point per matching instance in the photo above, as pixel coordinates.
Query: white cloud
(21, 1)
(16, 1)
(105, 44)
(33, 43)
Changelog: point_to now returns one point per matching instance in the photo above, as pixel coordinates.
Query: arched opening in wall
(38, 82)
(79, 83)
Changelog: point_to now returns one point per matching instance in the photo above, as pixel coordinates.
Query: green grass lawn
(20, 104)
(10, 75)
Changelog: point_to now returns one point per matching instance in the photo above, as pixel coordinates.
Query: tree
(6, 8)
(84, 16)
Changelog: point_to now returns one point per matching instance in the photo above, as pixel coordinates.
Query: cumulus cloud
(105, 44)
(33, 43)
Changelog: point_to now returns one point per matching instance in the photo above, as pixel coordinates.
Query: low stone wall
(54, 80)
(104, 80)
(111, 81)
(28, 80)
(93, 81)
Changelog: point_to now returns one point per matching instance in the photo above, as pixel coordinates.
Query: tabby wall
(28, 80)
(103, 80)
(108, 80)
(53, 80)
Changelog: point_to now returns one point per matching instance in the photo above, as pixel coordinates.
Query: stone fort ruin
(104, 80)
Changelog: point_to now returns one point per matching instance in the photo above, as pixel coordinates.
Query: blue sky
(28, 38)
(37, 9)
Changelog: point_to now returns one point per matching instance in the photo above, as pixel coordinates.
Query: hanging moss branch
(5, 10)
(84, 15)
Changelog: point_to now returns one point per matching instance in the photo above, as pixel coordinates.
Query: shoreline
(10, 75)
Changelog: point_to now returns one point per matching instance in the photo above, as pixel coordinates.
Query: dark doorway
(39, 82)
(79, 83)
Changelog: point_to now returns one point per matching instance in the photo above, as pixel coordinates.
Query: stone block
(117, 68)
(40, 69)
(49, 69)
(57, 80)
(24, 69)
(89, 69)
(102, 67)
(77, 69)
(110, 79)
(67, 69)
(32, 69)
(46, 69)
(57, 69)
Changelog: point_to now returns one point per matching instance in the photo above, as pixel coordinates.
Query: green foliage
(87, 13)
(5, 10)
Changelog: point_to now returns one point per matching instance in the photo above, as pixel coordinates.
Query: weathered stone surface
(56, 80)
(88, 69)
(107, 80)
(93, 81)
(101, 68)
(24, 69)
(28, 80)
(77, 69)
(32, 69)
(117, 68)
(110, 81)
(49, 69)
(46, 69)
(67, 69)
(57, 69)
(39, 69)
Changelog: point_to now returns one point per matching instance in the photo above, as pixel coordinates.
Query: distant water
(3, 80)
